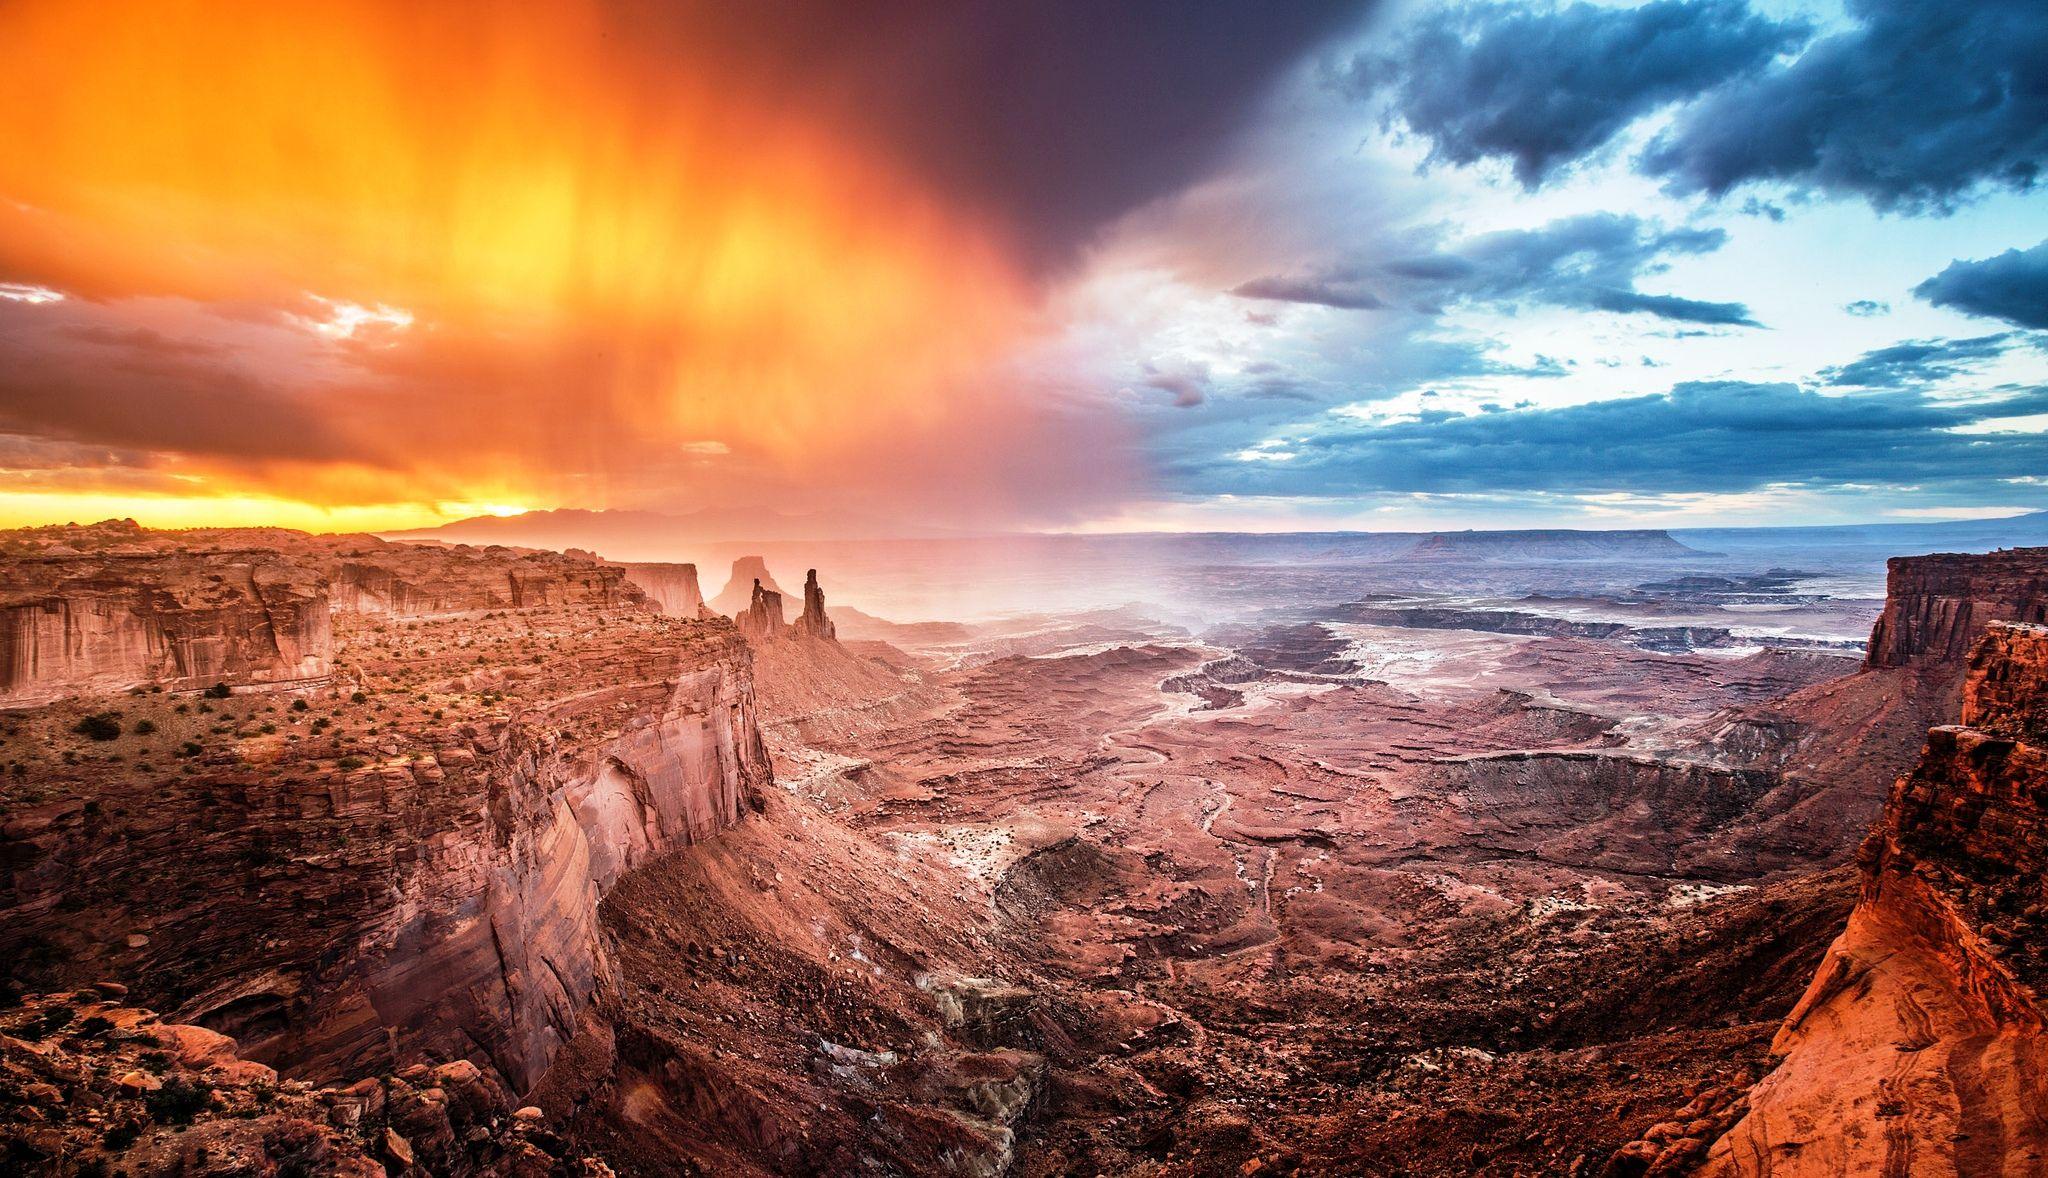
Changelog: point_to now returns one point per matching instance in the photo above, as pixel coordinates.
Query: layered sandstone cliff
(402, 868)
(112, 606)
(1919, 1047)
(671, 587)
(1936, 607)
(74, 622)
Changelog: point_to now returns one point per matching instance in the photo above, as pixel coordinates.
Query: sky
(1064, 265)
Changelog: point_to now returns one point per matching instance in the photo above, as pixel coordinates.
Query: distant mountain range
(654, 535)
(650, 535)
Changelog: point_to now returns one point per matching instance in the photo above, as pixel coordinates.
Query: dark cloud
(1867, 308)
(1915, 362)
(2012, 286)
(1189, 388)
(1590, 262)
(1699, 437)
(1058, 115)
(1917, 107)
(87, 383)
(1546, 88)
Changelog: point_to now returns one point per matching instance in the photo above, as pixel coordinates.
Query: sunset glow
(497, 250)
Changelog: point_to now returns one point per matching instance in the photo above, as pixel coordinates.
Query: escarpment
(1936, 607)
(113, 606)
(671, 587)
(76, 622)
(1919, 1047)
(402, 868)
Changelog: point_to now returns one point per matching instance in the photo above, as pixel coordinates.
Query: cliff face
(112, 606)
(1937, 606)
(78, 622)
(671, 587)
(409, 872)
(422, 581)
(1919, 1048)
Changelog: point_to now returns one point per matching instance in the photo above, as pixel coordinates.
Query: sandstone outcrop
(92, 1085)
(93, 622)
(738, 593)
(113, 606)
(813, 623)
(671, 587)
(1936, 607)
(1919, 1047)
(762, 620)
(405, 866)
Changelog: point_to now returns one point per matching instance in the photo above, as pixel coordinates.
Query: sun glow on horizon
(533, 246)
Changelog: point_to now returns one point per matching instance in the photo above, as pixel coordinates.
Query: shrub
(298, 705)
(219, 691)
(145, 727)
(99, 726)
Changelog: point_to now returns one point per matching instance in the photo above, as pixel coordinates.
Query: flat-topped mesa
(671, 587)
(813, 622)
(762, 621)
(109, 622)
(1921, 1045)
(1937, 606)
(738, 593)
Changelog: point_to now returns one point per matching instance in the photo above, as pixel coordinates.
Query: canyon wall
(72, 623)
(423, 580)
(1937, 606)
(409, 871)
(1919, 1047)
(671, 587)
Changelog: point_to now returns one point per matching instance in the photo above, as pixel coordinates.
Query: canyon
(1521, 857)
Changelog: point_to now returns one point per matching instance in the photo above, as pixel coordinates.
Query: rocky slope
(1919, 1047)
(403, 865)
(92, 1085)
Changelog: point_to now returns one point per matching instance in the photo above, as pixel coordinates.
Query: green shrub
(99, 726)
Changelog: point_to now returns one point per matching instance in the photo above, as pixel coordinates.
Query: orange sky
(367, 265)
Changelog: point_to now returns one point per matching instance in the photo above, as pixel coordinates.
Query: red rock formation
(408, 870)
(1937, 606)
(738, 593)
(71, 623)
(762, 621)
(672, 587)
(91, 1085)
(1919, 1048)
(813, 623)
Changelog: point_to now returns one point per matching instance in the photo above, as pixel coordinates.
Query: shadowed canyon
(1523, 853)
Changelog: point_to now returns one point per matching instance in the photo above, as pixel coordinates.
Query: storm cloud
(1590, 262)
(1546, 88)
(1720, 436)
(2012, 286)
